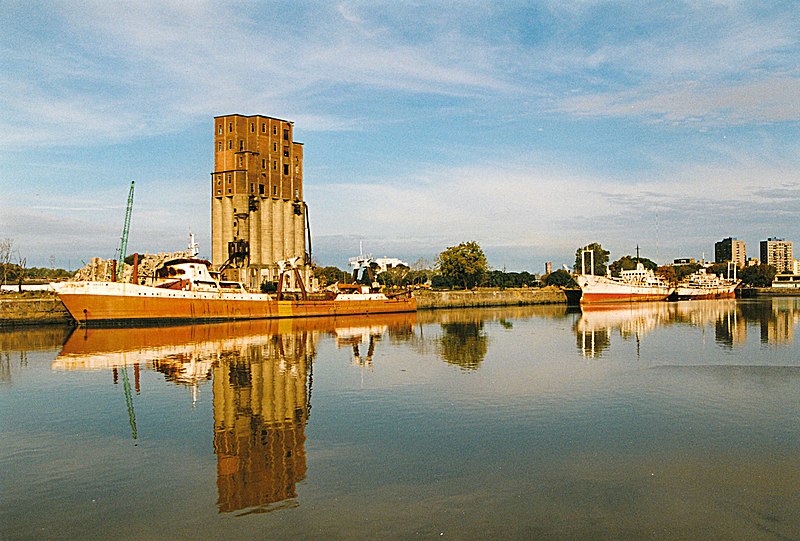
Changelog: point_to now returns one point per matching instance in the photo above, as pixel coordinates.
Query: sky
(532, 128)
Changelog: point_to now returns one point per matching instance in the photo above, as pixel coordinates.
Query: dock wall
(33, 311)
(488, 297)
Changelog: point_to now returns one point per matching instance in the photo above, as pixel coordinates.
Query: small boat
(701, 285)
(635, 285)
(185, 289)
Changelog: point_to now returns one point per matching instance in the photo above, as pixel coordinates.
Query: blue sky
(530, 127)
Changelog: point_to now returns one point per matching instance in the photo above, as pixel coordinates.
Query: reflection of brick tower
(258, 215)
(260, 412)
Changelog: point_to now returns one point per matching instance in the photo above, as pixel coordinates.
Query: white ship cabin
(192, 275)
(639, 274)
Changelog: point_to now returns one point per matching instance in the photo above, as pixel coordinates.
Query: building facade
(258, 215)
(730, 249)
(778, 253)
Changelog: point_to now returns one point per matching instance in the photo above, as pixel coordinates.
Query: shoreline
(49, 310)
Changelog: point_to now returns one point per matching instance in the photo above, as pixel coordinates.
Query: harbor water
(638, 421)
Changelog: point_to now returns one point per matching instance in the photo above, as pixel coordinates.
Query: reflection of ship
(701, 285)
(186, 289)
(355, 336)
(595, 326)
(639, 284)
(262, 375)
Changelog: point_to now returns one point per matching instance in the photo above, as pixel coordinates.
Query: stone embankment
(427, 299)
(38, 310)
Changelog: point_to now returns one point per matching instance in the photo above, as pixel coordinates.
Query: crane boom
(123, 241)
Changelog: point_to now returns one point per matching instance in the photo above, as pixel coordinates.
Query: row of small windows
(253, 129)
(262, 190)
(241, 147)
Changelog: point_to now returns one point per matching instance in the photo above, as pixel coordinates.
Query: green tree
(396, 276)
(600, 258)
(330, 275)
(682, 271)
(560, 278)
(464, 264)
(628, 262)
(721, 269)
(758, 275)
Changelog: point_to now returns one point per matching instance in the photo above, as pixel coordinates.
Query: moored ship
(635, 285)
(185, 289)
(701, 285)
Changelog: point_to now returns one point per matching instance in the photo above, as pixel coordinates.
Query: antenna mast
(123, 241)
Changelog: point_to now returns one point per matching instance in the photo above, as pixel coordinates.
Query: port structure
(258, 215)
(123, 240)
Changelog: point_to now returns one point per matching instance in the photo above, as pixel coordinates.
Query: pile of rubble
(100, 270)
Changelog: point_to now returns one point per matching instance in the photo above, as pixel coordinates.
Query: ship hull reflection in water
(730, 320)
(261, 373)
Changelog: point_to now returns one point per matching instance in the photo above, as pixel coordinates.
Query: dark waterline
(653, 421)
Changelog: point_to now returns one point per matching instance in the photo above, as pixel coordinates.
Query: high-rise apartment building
(258, 216)
(778, 253)
(730, 249)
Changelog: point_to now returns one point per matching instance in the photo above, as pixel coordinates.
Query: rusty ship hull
(114, 303)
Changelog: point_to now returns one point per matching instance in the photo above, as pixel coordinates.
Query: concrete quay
(33, 311)
(435, 299)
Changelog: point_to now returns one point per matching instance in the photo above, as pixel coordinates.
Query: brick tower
(258, 216)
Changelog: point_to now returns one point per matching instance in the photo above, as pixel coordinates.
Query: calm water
(662, 421)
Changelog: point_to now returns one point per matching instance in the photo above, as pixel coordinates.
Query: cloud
(704, 105)
(545, 214)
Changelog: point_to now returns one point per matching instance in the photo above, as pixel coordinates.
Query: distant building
(730, 249)
(258, 216)
(548, 267)
(778, 253)
(684, 261)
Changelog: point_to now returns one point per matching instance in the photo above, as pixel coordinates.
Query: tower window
(275, 190)
(263, 128)
(230, 126)
(274, 130)
(286, 169)
(252, 188)
(285, 135)
(219, 146)
(274, 165)
(230, 144)
(286, 151)
(252, 128)
(241, 144)
(240, 161)
(275, 147)
(260, 189)
(219, 129)
(263, 163)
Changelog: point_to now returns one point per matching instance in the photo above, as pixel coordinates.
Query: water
(659, 421)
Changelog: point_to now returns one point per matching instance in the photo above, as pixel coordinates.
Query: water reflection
(463, 344)
(730, 319)
(262, 374)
